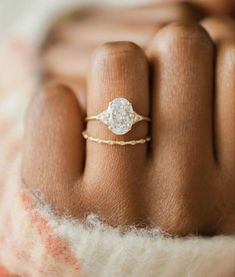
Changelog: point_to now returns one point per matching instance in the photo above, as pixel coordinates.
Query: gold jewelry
(115, 142)
(119, 116)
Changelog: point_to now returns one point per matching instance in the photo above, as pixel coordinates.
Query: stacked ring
(119, 117)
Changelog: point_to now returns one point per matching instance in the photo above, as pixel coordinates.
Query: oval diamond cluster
(120, 116)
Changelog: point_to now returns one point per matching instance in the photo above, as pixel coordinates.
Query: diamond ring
(119, 116)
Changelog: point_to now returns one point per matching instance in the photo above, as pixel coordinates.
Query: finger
(182, 145)
(225, 135)
(53, 147)
(225, 105)
(219, 28)
(118, 70)
(182, 59)
(222, 30)
(69, 60)
(78, 89)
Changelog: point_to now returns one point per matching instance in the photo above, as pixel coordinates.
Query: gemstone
(119, 116)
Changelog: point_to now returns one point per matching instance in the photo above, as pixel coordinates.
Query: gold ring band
(115, 142)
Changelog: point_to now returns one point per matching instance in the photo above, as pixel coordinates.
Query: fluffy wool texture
(35, 242)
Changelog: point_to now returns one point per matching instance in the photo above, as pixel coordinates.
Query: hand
(75, 37)
(184, 180)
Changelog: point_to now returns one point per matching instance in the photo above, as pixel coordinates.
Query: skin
(217, 7)
(184, 180)
(72, 40)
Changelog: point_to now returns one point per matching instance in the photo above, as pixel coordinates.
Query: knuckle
(116, 48)
(180, 34)
(52, 97)
(115, 56)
